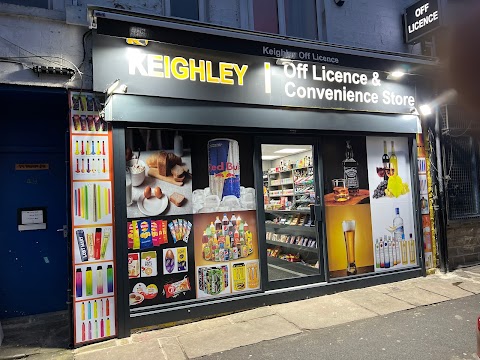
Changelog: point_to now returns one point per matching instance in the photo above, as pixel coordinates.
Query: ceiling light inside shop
(289, 151)
(270, 157)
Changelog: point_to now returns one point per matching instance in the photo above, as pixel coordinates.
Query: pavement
(264, 326)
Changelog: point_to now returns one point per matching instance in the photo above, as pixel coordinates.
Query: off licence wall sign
(421, 18)
(181, 72)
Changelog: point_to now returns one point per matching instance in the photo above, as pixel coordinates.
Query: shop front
(241, 171)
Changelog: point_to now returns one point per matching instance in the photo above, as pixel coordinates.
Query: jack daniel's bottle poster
(350, 166)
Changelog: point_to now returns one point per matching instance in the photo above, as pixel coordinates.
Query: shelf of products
(292, 247)
(296, 266)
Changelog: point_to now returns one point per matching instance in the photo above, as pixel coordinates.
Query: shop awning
(157, 110)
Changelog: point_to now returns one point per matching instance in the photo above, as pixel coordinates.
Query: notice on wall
(92, 220)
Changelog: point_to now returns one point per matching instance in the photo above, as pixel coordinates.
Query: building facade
(53, 46)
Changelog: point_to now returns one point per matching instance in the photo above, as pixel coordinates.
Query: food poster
(93, 237)
(226, 253)
(159, 173)
(220, 183)
(347, 206)
(391, 202)
(160, 260)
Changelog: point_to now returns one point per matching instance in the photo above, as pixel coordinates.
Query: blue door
(34, 264)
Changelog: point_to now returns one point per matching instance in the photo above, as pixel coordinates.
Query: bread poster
(159, 182)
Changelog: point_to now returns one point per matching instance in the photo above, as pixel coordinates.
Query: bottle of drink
(399, 234)
(377, 253)
(350, 166)
(399, 252)
(233, 220)
(236, 237)
(386, 250)
(393, 160)
(392, 252)
(404, 250)
(218, 224)
(225, 224)
(382, 254)
(385, 160)
(411, 248)
(245, 226)
(212, 228)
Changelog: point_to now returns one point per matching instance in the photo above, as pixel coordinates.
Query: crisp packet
(187, 232)
(154, 225)
(136, 235)
(172, 231)
(174, 289)
(163, 232)
(90, 123)
(76, 123)
(145, 234)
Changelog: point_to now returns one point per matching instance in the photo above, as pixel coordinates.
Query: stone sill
(29, 11)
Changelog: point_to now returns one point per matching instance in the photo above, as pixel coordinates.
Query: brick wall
(463, 238)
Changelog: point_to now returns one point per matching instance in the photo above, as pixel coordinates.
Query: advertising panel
(369, 205)
(93, 237)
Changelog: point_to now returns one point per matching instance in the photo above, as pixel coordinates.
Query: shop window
(191, 216)
(288, 17)
(462, 167)
(187, 9)
(45, 4)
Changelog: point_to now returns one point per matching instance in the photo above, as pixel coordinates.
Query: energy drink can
(224, 167)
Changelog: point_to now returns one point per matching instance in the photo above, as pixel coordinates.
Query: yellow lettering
(200, 69)
(166, 61)
(210, 77)
(178, 71)
(226, 71)
(240, 72)
(155, 63)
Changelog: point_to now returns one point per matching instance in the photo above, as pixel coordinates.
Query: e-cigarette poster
(93, 237)
(391, 202)
(226, 253)
(347, 206)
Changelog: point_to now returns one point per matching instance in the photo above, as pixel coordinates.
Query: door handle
(65, 231)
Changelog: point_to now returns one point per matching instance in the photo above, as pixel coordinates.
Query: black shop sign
(420, 19)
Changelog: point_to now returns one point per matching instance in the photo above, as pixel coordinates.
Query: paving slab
(322, 312)
(418, 297)
(231, 336)
(167, 332)
(171, 349)
(444, 288)
(251, 314)
(392, 287)
(214, 323)
(375, 301)
(148, 350)
(472, 286)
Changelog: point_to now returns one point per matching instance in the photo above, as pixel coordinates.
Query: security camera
(339, 2)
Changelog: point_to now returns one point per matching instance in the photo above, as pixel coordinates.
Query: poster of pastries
(158, 174)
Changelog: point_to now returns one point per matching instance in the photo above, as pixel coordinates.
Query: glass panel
(289, 191)
(265, 16)
(301, 18)
(368, 205)
(187, 9)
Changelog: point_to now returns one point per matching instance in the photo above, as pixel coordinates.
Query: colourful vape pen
(98, 148)
(83, 165)
(99, 280)
(101, 308)
(89, 310)
(108, 326)
(98, 243)
(83, 331)
(104, 169)
(102, 328)
(95, 311)
(78, 169)
(76, 148)
(82, 245)
(83, 311)
(96, 329)
(88, 281)
(93, 148)
(89, 329)
(87, 150)
(109, 279)
(107, 311)
(78, 283)
(82, 152)
(103, 148)
(88, 165)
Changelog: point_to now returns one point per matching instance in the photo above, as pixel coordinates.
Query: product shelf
(293, 266)
(293, 247)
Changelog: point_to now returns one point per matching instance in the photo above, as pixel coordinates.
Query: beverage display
(350, 166)
(411, 249)
(386, 250)
(224, 167)
(340, 190)
(385, 161)
(349, 236)
(377, 253)
(393, 161)
(253, 275)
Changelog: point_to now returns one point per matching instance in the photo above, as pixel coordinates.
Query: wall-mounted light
(425, 110)
(397, 74)
(113, 86)
(339, 2)
(442, 99)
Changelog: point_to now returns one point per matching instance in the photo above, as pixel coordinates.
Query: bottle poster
(391, 203)
(93, 237)
(347, 206)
